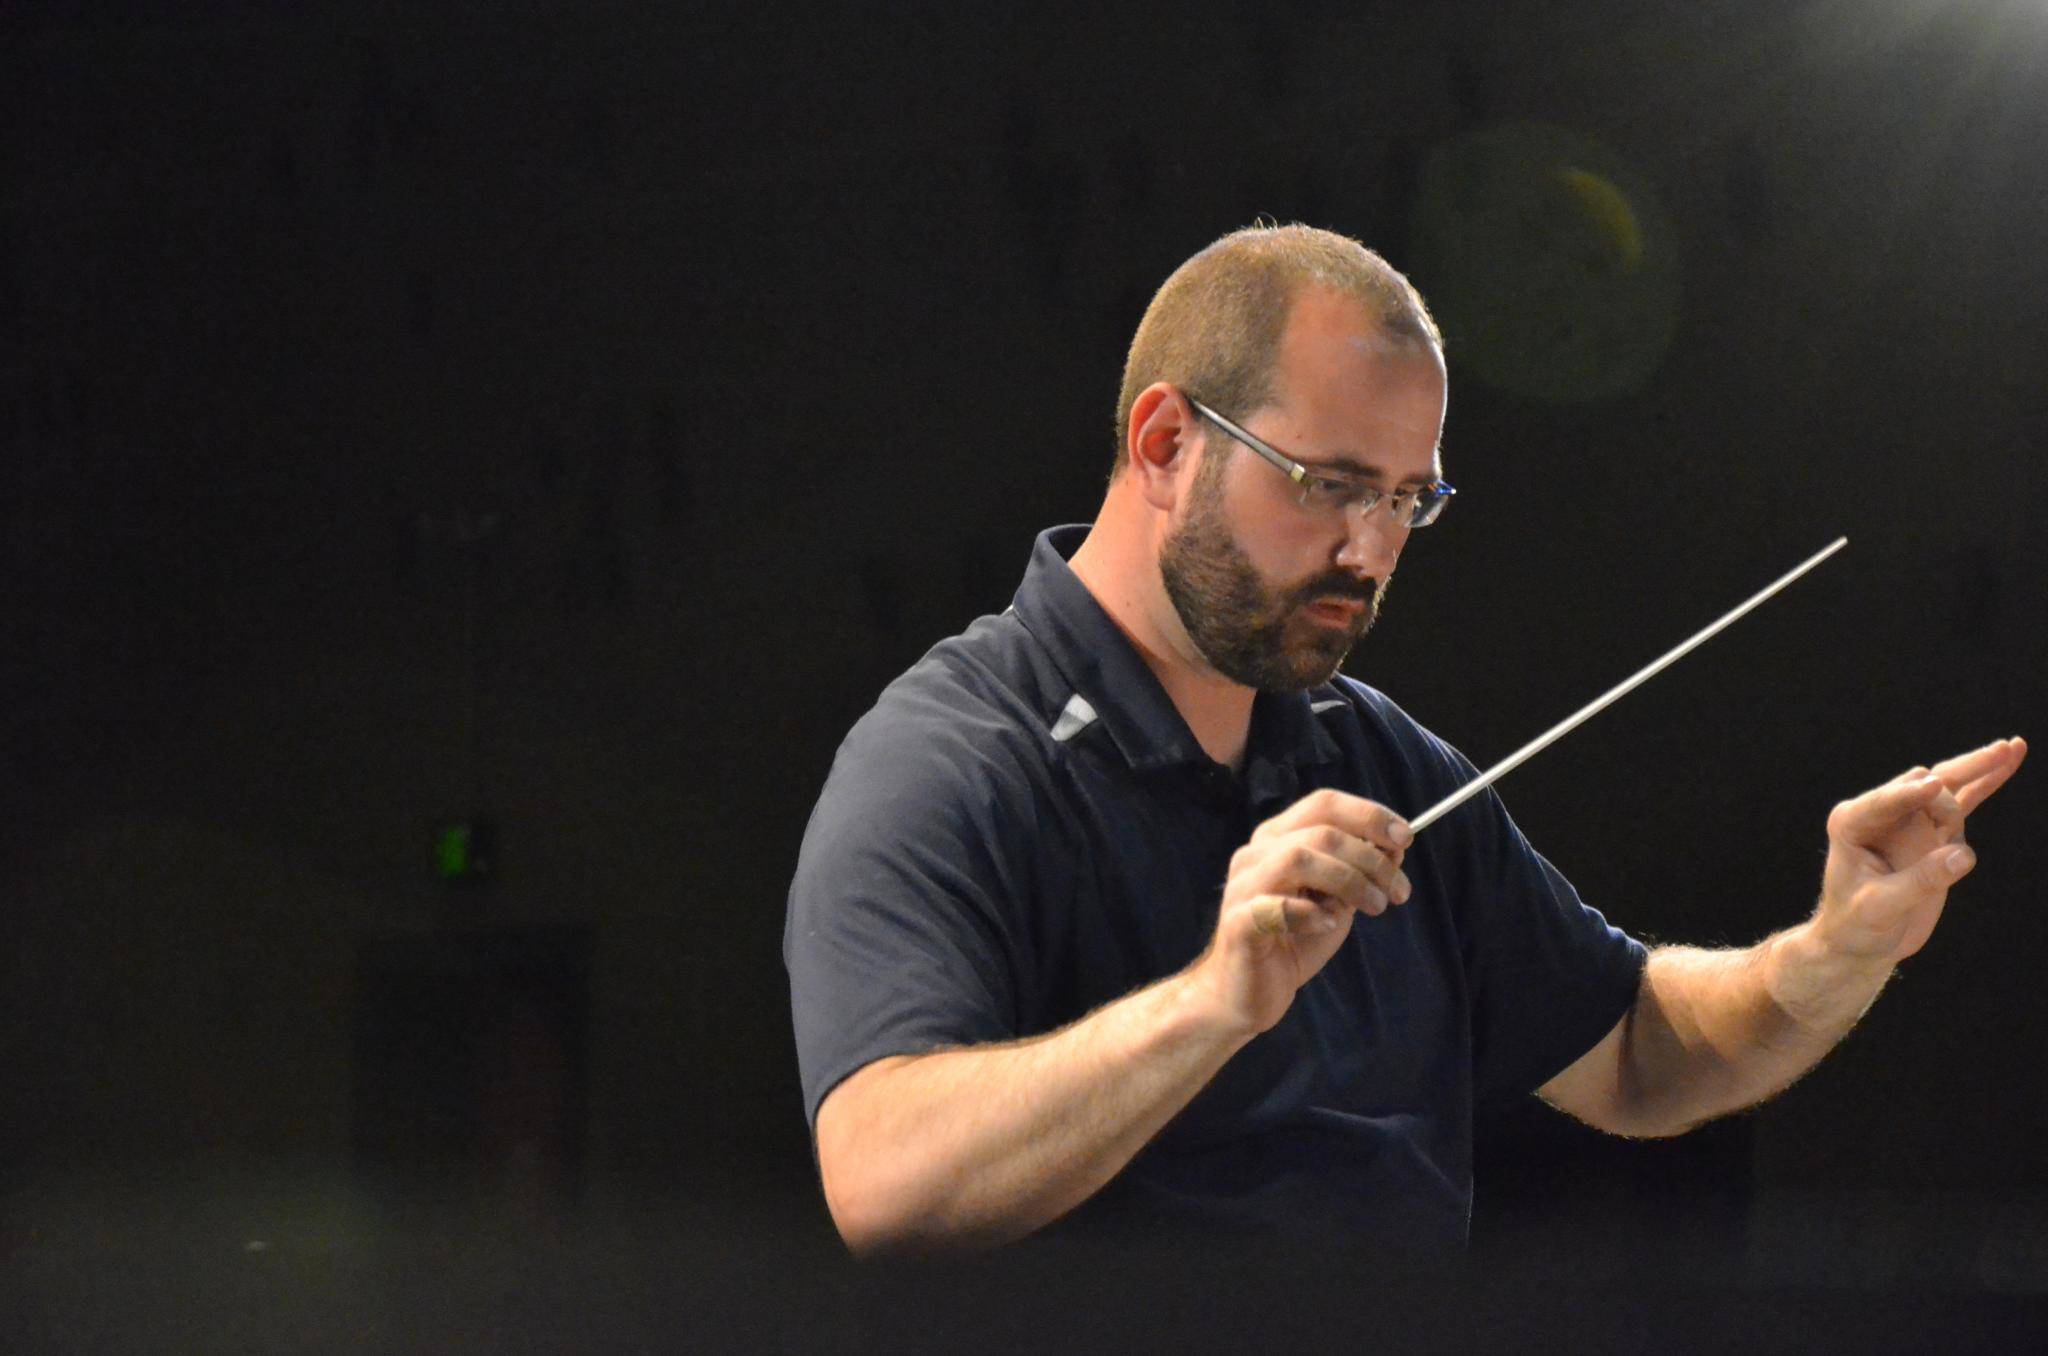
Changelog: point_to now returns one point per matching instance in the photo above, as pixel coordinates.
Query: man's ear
(1164, 444)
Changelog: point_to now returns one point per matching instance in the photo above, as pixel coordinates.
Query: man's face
(1261, 634)
(1272, 595)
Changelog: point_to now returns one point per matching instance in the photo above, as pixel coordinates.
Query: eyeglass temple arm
(1296, 472)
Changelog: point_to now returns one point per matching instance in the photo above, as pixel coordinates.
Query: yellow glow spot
(1607, 207)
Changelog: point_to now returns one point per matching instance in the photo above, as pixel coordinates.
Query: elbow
(891, 1187)
(1640, 1110)
(878, 1199)
(1657, 1085)
(1652, 1123)
(867, 1214)
(879, 1216)
(1615, 1097)
(1629, 1119)
(866, 1231)
(865, 1208)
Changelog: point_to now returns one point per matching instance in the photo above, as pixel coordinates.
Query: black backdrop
(564, 419)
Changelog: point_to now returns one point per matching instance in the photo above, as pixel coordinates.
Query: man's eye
(1327, 494)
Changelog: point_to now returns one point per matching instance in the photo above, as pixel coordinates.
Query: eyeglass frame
(1430, 498)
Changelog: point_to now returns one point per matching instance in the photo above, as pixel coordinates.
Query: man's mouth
(1339, 611)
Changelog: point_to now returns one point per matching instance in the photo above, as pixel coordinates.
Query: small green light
(452, 852)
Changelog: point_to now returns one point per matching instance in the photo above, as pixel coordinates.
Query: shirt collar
(1142, 721)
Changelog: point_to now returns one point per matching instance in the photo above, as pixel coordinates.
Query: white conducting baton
(1600, 703)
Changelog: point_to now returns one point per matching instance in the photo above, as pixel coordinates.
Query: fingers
(1355, 815)
(1975, 785)
(1891, 916)
(1924, 881)
(1945, 866)
(1966, 767)
(1948, 793)
(1946, 813)
(1372, 873)
(1869, 816)
(1280, 915)
(1309, 867)
(1321, 861)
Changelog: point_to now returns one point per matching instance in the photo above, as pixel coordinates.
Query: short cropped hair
(1214, 327)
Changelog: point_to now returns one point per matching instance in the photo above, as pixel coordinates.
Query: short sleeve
(1548, 975)
(897, 938)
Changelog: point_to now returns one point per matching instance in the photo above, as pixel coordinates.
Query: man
(1108, 911)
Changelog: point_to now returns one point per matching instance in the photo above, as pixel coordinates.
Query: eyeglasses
(1323, 492)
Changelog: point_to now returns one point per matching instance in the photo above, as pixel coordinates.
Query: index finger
(1355, 815)
(1863, 818)
(1974, 776)
(1981, 777)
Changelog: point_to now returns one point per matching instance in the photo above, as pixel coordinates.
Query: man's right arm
(988, 1143)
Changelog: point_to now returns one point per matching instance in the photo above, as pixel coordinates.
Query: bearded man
(1103, 917)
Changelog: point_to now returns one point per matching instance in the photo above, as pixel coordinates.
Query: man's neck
(1218, 711)
(1124, 578)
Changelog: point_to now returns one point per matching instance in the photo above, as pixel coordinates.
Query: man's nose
(1372, 541)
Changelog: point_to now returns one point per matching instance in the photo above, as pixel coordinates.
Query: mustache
(1339, 585)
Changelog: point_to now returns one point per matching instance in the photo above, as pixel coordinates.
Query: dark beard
(1238, 625)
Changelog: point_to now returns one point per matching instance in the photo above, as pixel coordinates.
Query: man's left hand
(1893, 853)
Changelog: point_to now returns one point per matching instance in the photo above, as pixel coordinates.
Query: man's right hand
(1289, 901)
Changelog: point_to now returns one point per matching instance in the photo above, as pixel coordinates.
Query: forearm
(990, 1143)
(1716, 1031)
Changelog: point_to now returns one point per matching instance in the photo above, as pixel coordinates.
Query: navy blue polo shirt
(1024, 829)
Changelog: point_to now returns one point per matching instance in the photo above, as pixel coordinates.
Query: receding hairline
(1387, 336)
(1216, 324)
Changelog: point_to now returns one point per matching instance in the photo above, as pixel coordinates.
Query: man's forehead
(1325, 329)
(1400, 390)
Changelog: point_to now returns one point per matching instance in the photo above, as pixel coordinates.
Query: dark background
(565, 419)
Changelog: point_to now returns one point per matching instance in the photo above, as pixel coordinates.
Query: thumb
(1943, 867)
(1929, 878)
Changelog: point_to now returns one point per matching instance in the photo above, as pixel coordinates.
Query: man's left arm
(1715, 1031)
